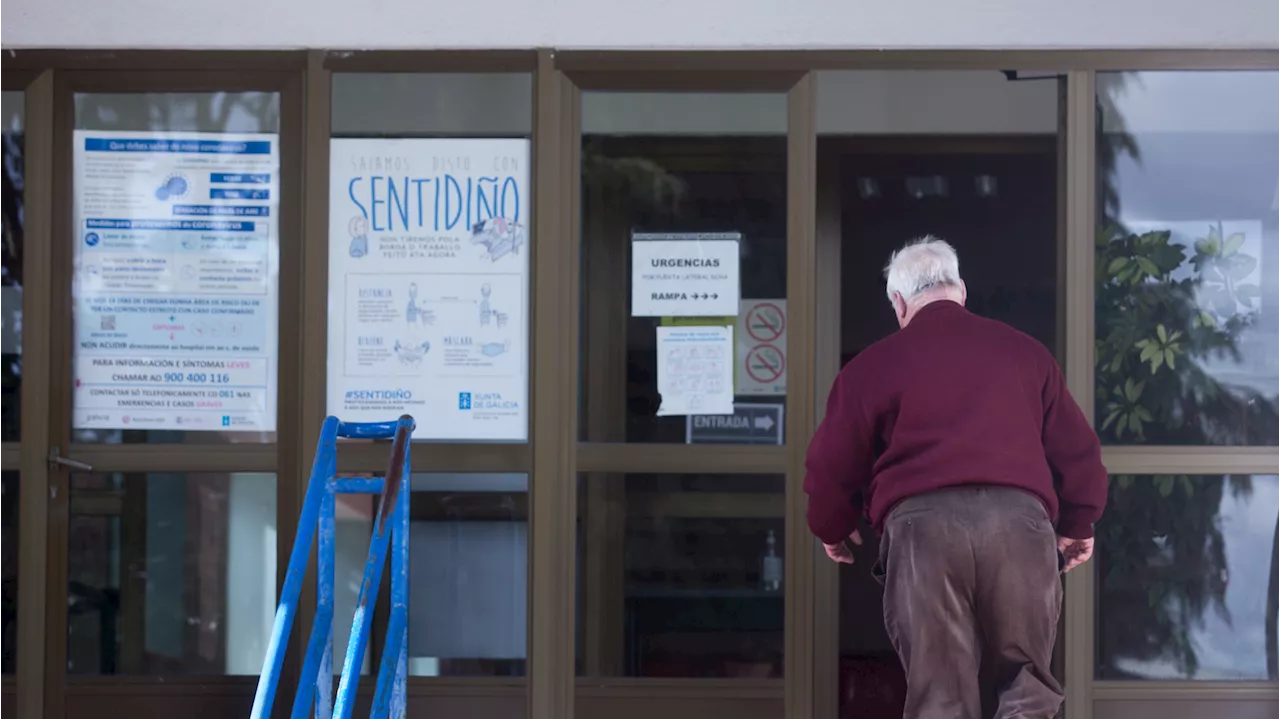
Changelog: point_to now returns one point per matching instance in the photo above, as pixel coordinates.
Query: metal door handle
(56, 460)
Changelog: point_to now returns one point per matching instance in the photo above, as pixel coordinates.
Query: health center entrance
(699, 577)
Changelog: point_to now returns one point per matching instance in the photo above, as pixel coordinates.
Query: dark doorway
(995, 200)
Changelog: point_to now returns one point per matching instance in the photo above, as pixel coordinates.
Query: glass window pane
(1186, 260)
(1187, 578)
(430, 215)
(170, 573)
(10, 490)
(12, 114)
(468, 574)
(681, 575)
(353, 530)
(688, 193)
(432, 105)
(468, 550)
(970, 157)
(176, 267)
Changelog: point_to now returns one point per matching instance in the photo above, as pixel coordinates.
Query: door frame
(834, 151)
(29, 453)
(278, 457)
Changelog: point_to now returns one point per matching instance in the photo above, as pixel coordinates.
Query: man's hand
(1074, 551)
(840, 552)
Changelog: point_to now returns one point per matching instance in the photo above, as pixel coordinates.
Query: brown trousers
(971, 603)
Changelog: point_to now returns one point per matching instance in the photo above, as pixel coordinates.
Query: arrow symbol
(764, 422)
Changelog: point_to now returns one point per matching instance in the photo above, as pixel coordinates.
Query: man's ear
(964, 292)
(899, 307)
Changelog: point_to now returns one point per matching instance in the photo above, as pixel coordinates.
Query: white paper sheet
(695, 370)
(684, 274)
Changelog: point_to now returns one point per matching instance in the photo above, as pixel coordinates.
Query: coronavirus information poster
(428, 284)
(175, 286)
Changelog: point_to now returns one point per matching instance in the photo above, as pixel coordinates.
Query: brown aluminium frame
(432, 457)
(638, 70)
(788, 460)
(553, 457)
(28, 454)
(277, 458)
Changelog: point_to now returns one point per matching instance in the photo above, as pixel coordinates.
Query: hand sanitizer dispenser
(771, 565)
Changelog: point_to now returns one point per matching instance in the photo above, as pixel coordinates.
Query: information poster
(680, 274)
(762, 348)
(695, 370)
(428, 284)
(175, 285)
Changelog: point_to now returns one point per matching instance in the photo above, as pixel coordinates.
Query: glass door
(970, 157)
(690, 555)
(174, 214)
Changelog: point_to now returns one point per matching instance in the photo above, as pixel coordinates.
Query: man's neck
(921, 301)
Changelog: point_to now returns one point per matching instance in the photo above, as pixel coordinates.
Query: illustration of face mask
(493, 349)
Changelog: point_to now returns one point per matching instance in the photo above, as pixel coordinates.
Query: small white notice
(695, 370)
(684, 274)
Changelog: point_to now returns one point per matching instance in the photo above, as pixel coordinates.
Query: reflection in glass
(352, 529)
(468, 574)
(170, 573)
(12, 114)
(681, 576)
(1186, 258)
(9, 500)
(216, 112)
(1187, 578)
(660, 163)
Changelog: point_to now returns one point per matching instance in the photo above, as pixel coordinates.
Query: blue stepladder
(390, 533)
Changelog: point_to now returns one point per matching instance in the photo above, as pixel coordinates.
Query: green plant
(1163, 310)
(1162, 313)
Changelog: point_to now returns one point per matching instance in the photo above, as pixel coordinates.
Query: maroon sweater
(951, 400)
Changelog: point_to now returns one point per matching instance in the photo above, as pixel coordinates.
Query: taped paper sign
(695, 366)
(684, 274)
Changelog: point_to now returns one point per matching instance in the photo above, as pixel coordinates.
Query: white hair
(923, 264)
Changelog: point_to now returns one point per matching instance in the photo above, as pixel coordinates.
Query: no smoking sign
(761, 335)
(766, 364)
(766, 322)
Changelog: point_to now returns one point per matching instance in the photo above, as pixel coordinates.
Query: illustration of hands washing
(412, 354)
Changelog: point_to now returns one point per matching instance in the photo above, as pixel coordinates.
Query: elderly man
(958, 440)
